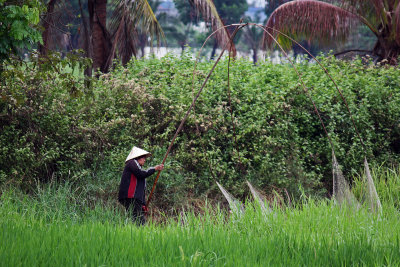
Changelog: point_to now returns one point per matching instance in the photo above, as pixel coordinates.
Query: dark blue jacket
(133, 181)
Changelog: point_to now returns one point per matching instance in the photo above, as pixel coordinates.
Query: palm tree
(210, 14)
(122, 34)
(130, 16)
(334, 20)
(179, 32)
(252, 36)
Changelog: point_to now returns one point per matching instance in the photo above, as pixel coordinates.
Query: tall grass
(57, 228)
(387, 184)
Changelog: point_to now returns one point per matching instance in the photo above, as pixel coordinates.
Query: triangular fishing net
(341, 189)
(234, 204)
(259, 198)
(371, 196)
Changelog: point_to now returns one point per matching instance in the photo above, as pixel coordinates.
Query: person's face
(141, 161)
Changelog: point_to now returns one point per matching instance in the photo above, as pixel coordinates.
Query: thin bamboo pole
(189, 110)
(238, 27)
(327, 73)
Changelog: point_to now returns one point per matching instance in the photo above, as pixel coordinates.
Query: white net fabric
(259, 198)
(341, 192)
(235, 205)
(341, 189)
(371, 197)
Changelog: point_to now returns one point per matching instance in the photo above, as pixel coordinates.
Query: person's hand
(159, 167)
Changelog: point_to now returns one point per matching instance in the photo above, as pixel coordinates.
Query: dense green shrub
(53, 126)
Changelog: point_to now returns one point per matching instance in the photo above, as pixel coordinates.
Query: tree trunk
(182, 45)
(255, 57)
(100, 38)
(213, 52)
(88, 48)
(142, 43)
(47, 23)
(387, 48)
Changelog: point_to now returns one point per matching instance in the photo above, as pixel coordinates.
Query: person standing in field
(133, 184)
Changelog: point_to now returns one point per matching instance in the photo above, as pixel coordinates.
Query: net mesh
(341, 189)
(371, 197)
(341, 192)
(258, 197)
(235, 205)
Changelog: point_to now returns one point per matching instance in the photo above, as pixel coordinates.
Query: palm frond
(127, 19)
(210, 14)
(381, 10)
(311, 20)
(148, 21)
(375, 11)
(357, 5)
(125, 41)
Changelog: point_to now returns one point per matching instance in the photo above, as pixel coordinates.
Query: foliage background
(18, 27)
(57, 126)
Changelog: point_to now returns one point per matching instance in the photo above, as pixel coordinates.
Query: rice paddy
(312, 233)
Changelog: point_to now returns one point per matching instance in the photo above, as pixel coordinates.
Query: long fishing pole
(189, 110)
(193, 80)
(238, 27)
(241, 25)
(300, 77)
(298, 74)
(327, 73)
(303, 84)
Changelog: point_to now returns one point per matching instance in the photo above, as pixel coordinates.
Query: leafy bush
(54, 126)
(18, 27)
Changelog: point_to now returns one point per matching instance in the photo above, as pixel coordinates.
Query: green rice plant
(57, 202)
(387, 184)
(310, 234)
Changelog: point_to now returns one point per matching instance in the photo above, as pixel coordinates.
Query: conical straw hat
(137, 152)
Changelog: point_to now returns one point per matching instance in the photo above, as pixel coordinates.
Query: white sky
(258, 3)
